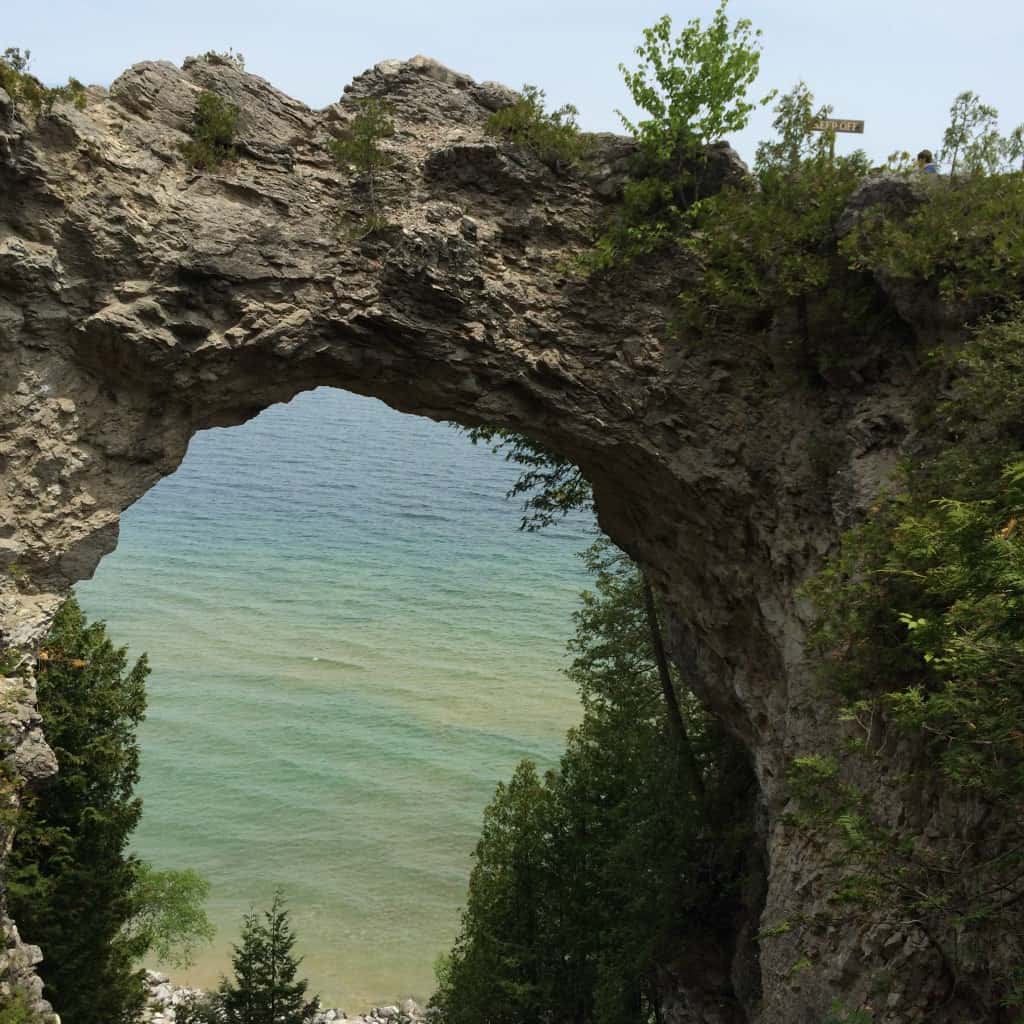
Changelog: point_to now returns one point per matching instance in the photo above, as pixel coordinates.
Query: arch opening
(351, 644)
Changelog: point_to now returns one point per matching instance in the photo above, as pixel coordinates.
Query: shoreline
(165, 996)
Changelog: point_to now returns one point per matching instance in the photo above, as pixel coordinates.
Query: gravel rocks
(165, 996)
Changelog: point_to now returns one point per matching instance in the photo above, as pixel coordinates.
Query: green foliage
(559, 924)
(553, 137)
(213, 128)
(70, 877)
(359, 147)
(972, 143)
(168, 916)
(966, 241)
(551, 486)
(929, 608)
(16, 1009)
(921, 632)
(198, 1010)
(72, 884)
(202, 1009)
(230, 57)
(769, 244)
(265, 989)
(26, 90)
(693, 88)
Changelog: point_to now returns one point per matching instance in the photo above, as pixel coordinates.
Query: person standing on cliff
(926, 162)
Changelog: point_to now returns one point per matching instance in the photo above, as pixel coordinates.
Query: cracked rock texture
(141, 302)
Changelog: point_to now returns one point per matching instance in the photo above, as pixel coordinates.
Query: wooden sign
(838, 124)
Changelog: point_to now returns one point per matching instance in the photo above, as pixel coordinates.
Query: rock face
(141, 302)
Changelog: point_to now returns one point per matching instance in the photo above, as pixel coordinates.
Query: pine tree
(265, 989)
(71, 877)
(72, 883)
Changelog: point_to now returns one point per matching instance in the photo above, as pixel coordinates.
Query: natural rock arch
(140, 302)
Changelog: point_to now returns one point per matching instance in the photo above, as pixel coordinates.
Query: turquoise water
(351, 644)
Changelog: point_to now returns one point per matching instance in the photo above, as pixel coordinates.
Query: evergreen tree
(70, 878)
(265, 989)
(73, 887)
(627, 859)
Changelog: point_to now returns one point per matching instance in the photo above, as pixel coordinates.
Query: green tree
(497, 970)
(213, 129)
(359, 147)
(767, 246)
(693, 88)
(72, 885)
(26, 90)
(265, 989)
(70, 878)
(553, 136)
(972, 141)
(560, 925)
(168, 915)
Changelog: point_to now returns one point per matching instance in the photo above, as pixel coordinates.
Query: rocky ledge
(165, 997)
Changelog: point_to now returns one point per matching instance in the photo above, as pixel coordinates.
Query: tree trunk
(674, 712)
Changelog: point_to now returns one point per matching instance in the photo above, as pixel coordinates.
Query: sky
(896, 64)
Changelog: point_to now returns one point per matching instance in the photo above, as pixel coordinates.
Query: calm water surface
(351, 644)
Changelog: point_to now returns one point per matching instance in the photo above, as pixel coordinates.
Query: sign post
(834, 125)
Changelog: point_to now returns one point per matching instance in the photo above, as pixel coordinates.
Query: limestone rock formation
(141, 302)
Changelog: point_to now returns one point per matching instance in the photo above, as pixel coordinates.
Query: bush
(966, 241)
(923, 612)
(203, 1009)
(213, 129)
(26, 90)
(16, 1009)
(770, 243)
(359, 147)
(553, 137)
(229, 57)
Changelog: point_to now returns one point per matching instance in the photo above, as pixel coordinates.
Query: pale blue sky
(897, 64)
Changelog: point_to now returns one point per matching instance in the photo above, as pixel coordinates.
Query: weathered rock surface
(140, 302)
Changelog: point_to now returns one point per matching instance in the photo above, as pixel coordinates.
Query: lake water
(351, 644)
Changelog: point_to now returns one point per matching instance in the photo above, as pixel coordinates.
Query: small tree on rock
(359, 147)
(692, 88)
